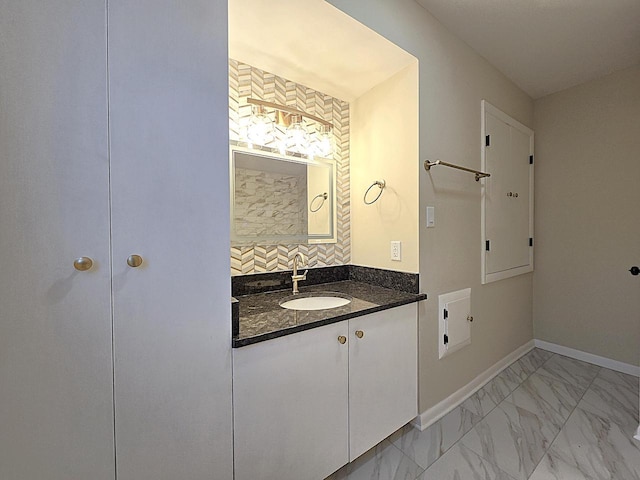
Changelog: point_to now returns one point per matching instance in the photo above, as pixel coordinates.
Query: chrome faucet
(298, 261)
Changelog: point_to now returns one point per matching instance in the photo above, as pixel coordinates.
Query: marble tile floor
(545, 417)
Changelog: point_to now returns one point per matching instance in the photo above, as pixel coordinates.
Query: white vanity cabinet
(383, 374)
(306, 404)
(290, 406)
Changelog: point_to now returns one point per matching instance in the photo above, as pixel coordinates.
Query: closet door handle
(634, 270)
(134, 261)
(82, 264)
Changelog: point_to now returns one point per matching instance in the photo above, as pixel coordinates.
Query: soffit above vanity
(314, 44)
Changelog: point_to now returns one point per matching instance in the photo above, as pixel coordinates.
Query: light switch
(431, 217)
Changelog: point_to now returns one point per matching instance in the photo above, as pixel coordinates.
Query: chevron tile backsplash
(247, 81)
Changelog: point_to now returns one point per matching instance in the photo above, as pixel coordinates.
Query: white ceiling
(546, 45)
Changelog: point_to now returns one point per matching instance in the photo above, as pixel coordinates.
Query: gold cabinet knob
(342, 339)
(82, 264)
(134, 261)
(359, 333)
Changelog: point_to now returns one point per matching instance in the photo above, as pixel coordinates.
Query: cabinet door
(519, 209)
(170, 203)
(507, 207)
(290, 406)
(383, 375)
(507, 218)
(499, 216)
(56, 394)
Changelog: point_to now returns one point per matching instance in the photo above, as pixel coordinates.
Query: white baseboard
(439, 410)
(589, 358)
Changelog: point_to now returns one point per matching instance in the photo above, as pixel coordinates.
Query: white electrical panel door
(454, 320)
(507, 207)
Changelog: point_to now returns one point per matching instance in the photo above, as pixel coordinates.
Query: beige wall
(384, 145)
(587, 221)
(453, 80)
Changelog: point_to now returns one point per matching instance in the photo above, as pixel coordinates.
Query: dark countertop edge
(236, 343)
(263, 282)
(235, 317)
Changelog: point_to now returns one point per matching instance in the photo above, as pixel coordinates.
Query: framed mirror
(281, 199)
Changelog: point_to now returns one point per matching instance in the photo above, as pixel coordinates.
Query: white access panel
(454, 325)
(507, 196)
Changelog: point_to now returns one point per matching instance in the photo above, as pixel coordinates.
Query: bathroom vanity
(322, 376)
(315, 389)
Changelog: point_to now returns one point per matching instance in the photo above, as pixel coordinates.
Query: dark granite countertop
(262, 318)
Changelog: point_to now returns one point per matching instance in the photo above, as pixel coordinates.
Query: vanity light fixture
(297, 138)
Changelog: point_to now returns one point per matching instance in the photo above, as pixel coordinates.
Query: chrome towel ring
(379, 183)
(322, 197)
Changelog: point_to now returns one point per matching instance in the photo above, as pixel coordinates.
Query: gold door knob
(82, 264)
(359, 333)
(134, 261)
(342, 339)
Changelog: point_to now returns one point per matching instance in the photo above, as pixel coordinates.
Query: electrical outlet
(396, 250)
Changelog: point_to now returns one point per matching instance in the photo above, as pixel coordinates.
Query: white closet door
(56, 395)
(170, 205)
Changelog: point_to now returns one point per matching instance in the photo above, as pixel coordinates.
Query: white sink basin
(320, 301)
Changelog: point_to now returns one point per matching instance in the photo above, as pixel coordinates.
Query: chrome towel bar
(479, 175)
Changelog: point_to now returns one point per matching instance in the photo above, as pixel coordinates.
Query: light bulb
(324, 143)
(260, 129)
(297, 137)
